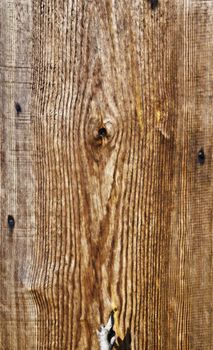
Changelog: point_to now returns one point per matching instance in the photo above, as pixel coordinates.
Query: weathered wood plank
(17, 308)
(118, 214)
(191, 292)
(122, 141)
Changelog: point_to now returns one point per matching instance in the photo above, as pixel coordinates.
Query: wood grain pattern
(121, 108)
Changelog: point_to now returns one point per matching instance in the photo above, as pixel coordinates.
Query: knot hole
(102, 132)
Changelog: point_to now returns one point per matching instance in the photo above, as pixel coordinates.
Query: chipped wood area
(106, 173)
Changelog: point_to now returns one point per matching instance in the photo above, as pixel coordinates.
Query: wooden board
(18, 318)
(107, 170)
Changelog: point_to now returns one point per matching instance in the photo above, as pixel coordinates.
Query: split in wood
(106, 334)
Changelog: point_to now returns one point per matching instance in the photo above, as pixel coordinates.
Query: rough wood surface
(17, 308)
(115, 207)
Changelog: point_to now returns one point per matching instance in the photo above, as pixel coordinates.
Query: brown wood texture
(107, 170)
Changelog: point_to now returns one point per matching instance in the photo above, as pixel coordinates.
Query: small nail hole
(10, 221)
(18, 107)
(154, 4)
(102, 132)
(201, 156)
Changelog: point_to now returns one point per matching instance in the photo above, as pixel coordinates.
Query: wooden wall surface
(106, 133)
